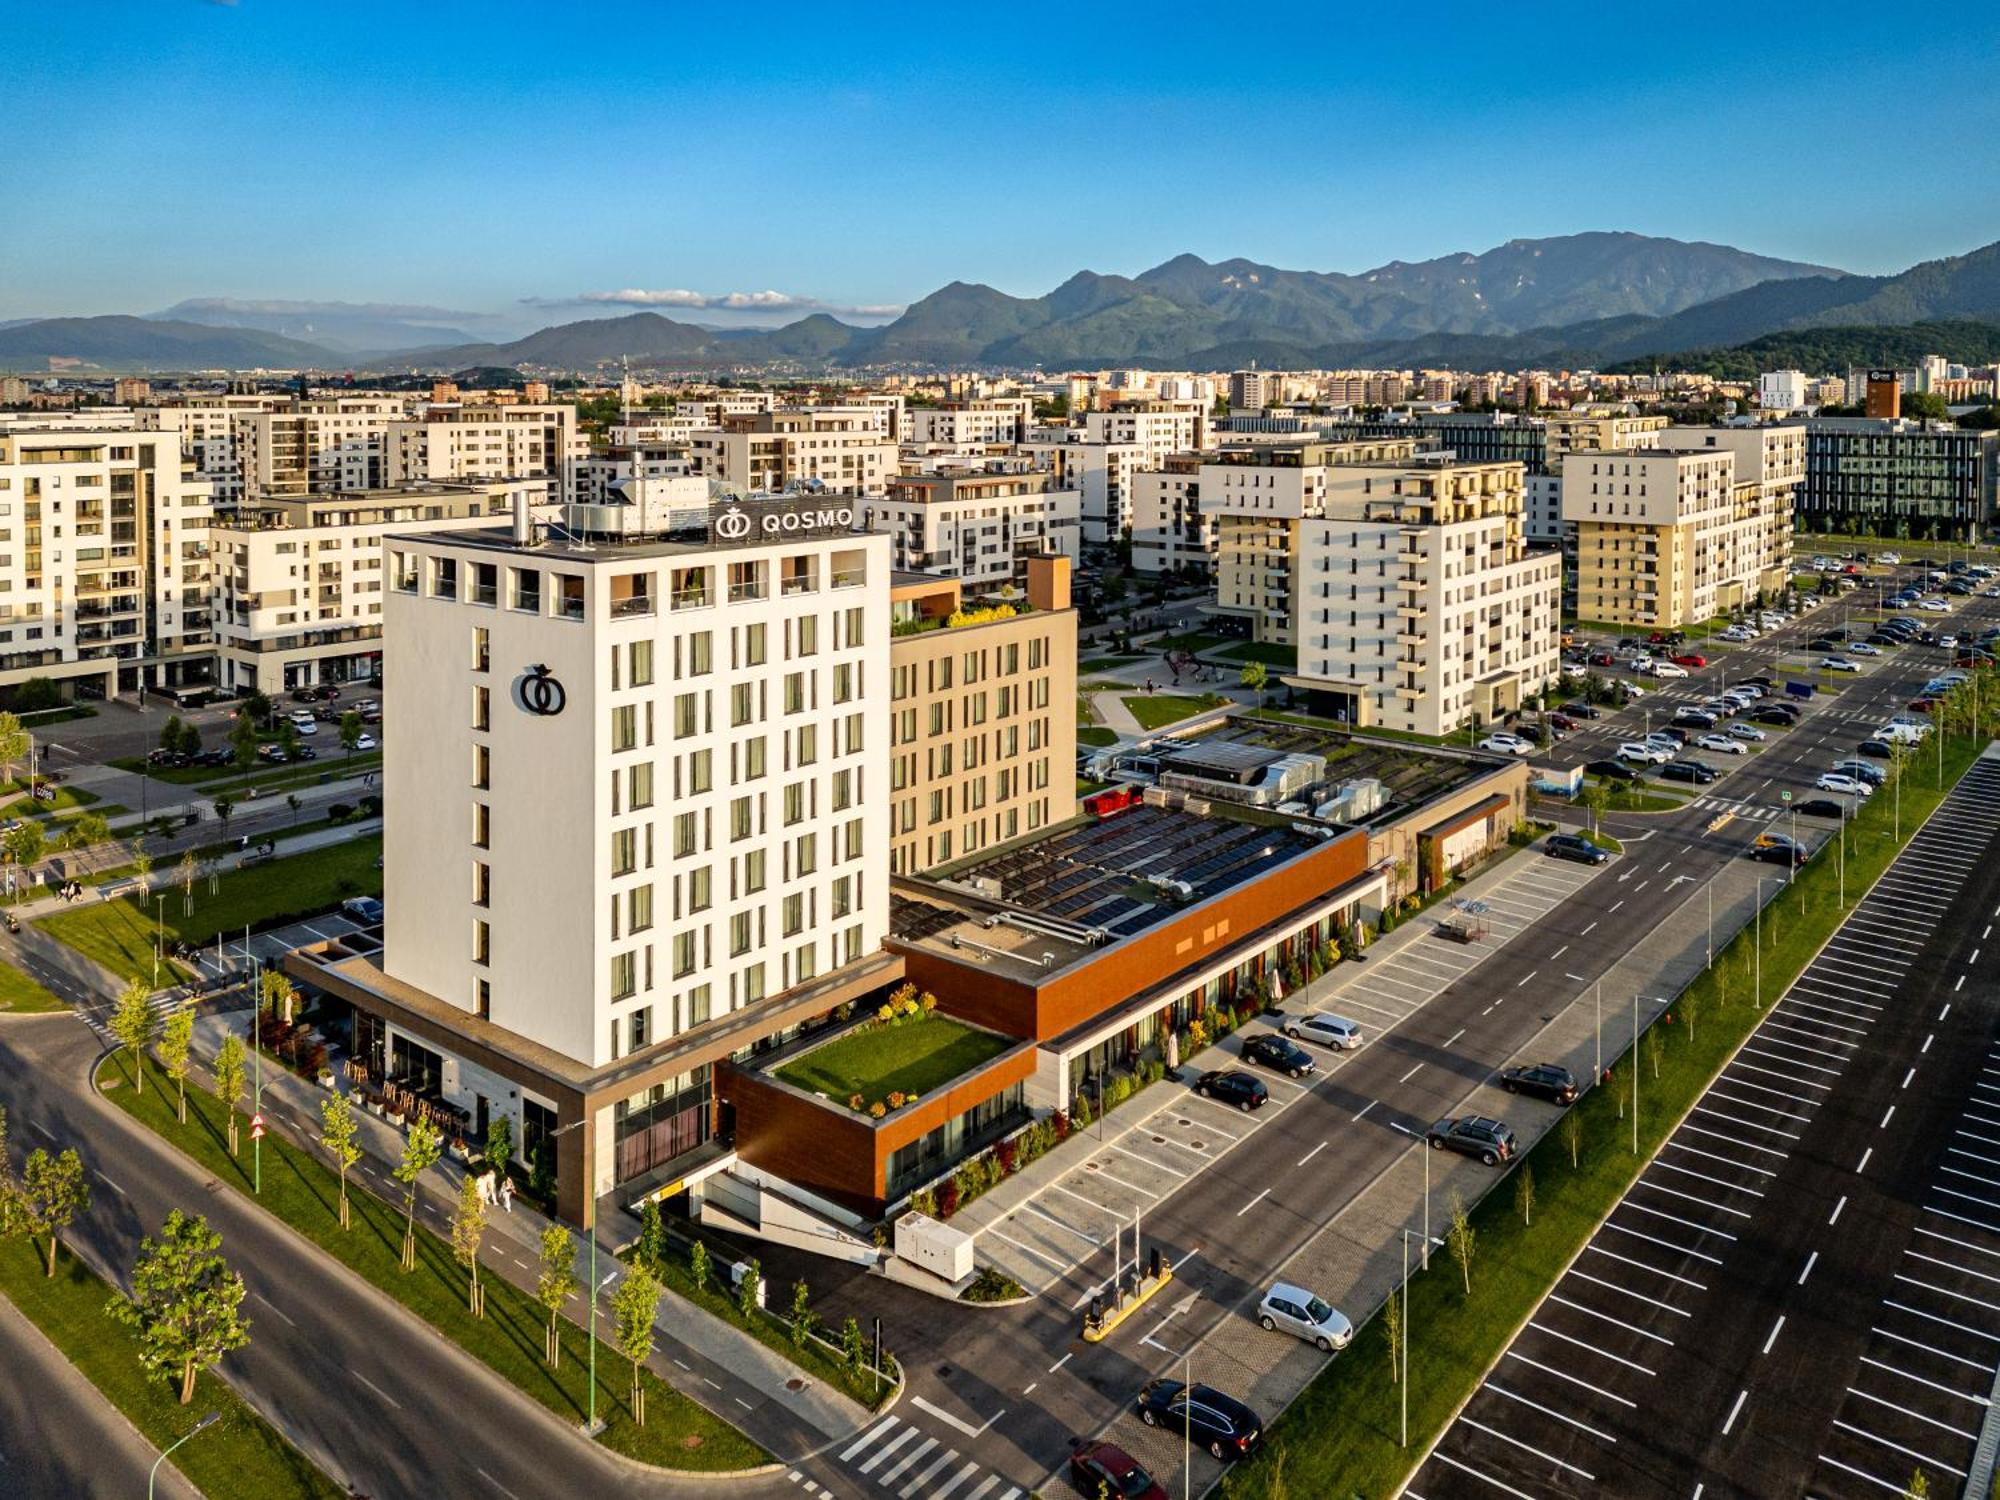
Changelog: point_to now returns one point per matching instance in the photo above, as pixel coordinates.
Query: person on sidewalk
(507, 1194)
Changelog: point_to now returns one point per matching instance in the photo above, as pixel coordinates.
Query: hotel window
(625, 727)
(624, 976)
(640, 785)
(482, 826)
(843, 790)
(805, 963)
(753, 646)
(482, 883)
(746, 581)
(641, 653)
(740, 703)
(687, 716)
(624, 851)
(843, 897)
(700, 655)
(795, 803)
(684, 951)
(808, 854)
(739, 934)
(843, 682)
(795, 915)
(808, 744)
(686, 838)
(569, 596)
(697, 1005)
(639, 908)
(753, 983)
(524, 590)
(640, 1028)
(853, 634)
(700, 888)
(444, 578)
(852, 740)
(701, 772)
(482, 708)
(739, 818)
(406, 569)
(482, 942)
(753, 758)
(482, 649)
(753, 872)
(482, 768)
(799, 575)
(795, 692)
(806, 635)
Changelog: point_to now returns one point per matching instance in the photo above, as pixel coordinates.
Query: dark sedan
(1819, 807)
(1612, 770)
(1233, 1086)
(1221, 1424)
(1274, 1051)
(1543, 1080)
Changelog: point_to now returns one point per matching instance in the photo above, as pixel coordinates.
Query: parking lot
(1762, 1314)
(1061, 1237)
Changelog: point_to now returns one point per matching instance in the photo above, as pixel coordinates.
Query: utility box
(738, 1269)
(934, 1247)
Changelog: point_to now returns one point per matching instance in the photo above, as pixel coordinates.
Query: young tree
(420, 1153)
(698, 1267)
(292, 801)
(1572, 1136)
(257, 706)
(142, 862)
(243, 742)
(170, 734)
(1595, 797)
(853, 1347)
(188, 868)
(652, 1245)
(468, 1229)
(1524, 1194)
(500, 1142)
(634, 1305)
(555, 1284)
(190, 743)
(1392, 1325)
(1254, 676)
(176, 1052)
(351, 730)
(748, 1288)
(1459, 1240)
(1653, 1051)
(132, 1025)
(229, 1081)
(278, 993)
(53, 1192)
(224, 806)
(1919, 1487)
(340, 1133)
(1690, 1010)
(13, 742)
(288, 738)
(186, 1303)
(26, 842)
(803, 1319)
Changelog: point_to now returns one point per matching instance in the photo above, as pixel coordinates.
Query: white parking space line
(1680, 1145)
(1867, 1436)
(1549, 1411)
(1573, 1380)
(1591, 1312)
(1625, 1291)
(1958, 1395)
(1906, 1411)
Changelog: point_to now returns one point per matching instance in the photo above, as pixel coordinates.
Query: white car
(1632, 690)
(305, 726)
(1641, 750)
(367, 742)
(1575, 669)
(1668, 669)
(1851, 786)
(1891, 558)
(1948, 642)
(1329, 1030)
(1294, 1310)
(1722, 744)
(1862, 648)
(1841, 664)
(1747, 732)
(1935, 606)
(1506, 744)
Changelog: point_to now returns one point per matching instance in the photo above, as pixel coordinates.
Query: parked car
(1505, 744)
(1833, 781)
(1861, 770)
(1296, 1311)
(1695, 718)
(1473, 1135)
(1233, 1086)
(1748, 732)
(1544, 1080)
(1640, 750)
(1669, 669)
(1275, 1051)
(364, 909)
(1876, 749)
(1721, 744)
(1574, 846)
(1819, 807)
(1776, 713)
(1776, 849)
(1562, 723)
(1220, 1423)
(1327, 1029)
(1612, 770)
(1691, 659)
(367, 742)
(1578, 709)
(1101, 1469)
(1863, 648)
(1689, 770)
(1841, 664)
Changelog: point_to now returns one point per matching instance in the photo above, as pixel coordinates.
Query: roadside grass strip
(303, 1191)
(1340, 1435)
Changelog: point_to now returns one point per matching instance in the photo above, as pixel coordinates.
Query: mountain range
(1584, 300)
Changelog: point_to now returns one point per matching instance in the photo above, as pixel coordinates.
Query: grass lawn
(1095, 737)
(1339, 1438)
(1105, 663)
(209, 779)
(1603, 841)
(873, 1060)
(241, 1455)
(1270, 653)
(66, 799)
(1153, 711)
(301, 1190)
(1627, 799)
(119, 934)
(21, 995)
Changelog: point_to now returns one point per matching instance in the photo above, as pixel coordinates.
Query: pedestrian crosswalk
(901, 1459)
(1750, 810)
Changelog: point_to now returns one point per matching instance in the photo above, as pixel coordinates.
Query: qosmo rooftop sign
(744, 521)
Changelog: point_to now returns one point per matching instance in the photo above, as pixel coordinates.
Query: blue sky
(513, 158)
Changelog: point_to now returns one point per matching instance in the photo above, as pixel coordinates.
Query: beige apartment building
(1420, 606)
(446, 443)
(1677, 533)
(981, 526)
(845, 450)
(312, 447)
(982, 737)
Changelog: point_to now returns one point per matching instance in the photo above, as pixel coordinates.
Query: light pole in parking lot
(1599, 1005)
(1405, 1382)
(1757, 951)
(1635, 1072)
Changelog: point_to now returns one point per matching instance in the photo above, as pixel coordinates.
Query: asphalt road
(1009, 1390)
(373, 1394)
(1767, 1313)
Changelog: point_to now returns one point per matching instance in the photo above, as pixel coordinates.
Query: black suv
(1819, 807)
(1474, 1135)
(1689, 770)
(1274, 1051)
(1219, 1423)
(1574, 846)
(1578, 709)
(1233, 1086)
(1544, 1080)
(1613, 770)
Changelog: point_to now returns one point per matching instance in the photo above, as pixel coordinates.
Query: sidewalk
(724, 1369)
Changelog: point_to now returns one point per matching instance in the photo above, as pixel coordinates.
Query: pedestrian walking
(507, 1194)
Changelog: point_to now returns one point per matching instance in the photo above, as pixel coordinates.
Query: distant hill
(118, 343)
(347, 328)
(1834, 351)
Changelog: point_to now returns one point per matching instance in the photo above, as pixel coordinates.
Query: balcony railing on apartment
(637, 604)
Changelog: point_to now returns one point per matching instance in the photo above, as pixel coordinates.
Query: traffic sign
(257, 1127)
(1784, 796)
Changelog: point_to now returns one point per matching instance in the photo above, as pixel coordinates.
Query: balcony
(1413, 611)
(642, 604)
(1411, 693)
(1409, 638)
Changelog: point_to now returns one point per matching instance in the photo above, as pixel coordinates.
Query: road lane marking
(1887, 1116)
(1373, 1102)
(1811, 1261)
(1411, 1074)
(1312, 1153)
(378, 1390)
(1734, 1411)
(1834, 1217)
(1773, 1337)
(1243, 1210)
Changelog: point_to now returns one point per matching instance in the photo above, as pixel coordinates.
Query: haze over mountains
(1575, 300)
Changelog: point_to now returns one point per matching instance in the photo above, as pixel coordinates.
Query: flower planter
(326, 1078)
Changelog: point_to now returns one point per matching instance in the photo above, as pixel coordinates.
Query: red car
(1563, 722)
(1690, 660)
(1921, 705)
(1106, 1469)
(1602, 658)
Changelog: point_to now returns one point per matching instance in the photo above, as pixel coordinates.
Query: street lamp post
(1598, 1005)
(202, 1426)
(591, 1425)
(1405, 1382)
(1635, 1072)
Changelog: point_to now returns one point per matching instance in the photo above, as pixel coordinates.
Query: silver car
(1327, 1029)
(1296, 1311)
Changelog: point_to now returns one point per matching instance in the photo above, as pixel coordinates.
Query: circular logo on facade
(733, 525)
(539, 693)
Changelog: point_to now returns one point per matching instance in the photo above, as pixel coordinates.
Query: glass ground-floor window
(655, 1126)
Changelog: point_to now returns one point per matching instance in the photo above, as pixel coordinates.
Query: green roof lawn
(874, 1060)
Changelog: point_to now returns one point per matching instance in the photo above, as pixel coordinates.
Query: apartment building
(443, 443)
(982, 738)
(1896, 477)
(298, 582)
(1782, 390)
(312, 447)
(1419, 604)
(1583, 429)
(1101, 474)
(1157, 427)
(104, 568)
(842, 450)
(1689, 528)
(207, 432)
(646, 828)
(980, 526)
(1170, 532)
(968, 424)
(1257, 498)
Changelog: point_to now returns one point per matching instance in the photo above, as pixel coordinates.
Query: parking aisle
(1614, 1382)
